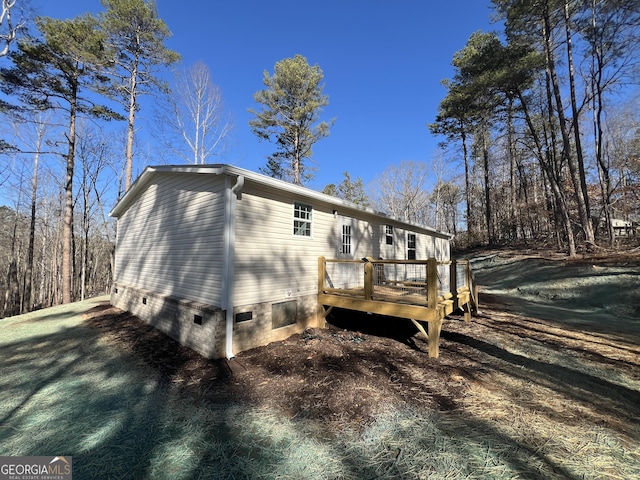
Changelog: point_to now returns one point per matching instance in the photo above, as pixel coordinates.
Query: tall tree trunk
(12, 294)
(28, 287)
(55, 268)
(467, 181)
(545, 158)
(43, 296)
(552, 210)
(597, 103)
(585, 212)
(562, 123)
(133, 87)
(28, 298)
(563, 211)
(524, 185)
(85, 246)
(296, 161)
(198, 143)
(514, 221)
(11, 304)
(487, 186)
(67, 231)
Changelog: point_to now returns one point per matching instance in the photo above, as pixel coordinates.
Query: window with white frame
(388, 230)
(411, 246)
(302, 216)
(346, 239)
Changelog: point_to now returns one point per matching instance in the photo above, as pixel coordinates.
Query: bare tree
(31, 231)
(401, 191)
(444, 198)
(192, 123)
(40, 125)
(11, 305)
(8, 28)
(621, 155)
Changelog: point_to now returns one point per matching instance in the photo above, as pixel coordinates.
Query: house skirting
(201, 327)
(195, 325)
(263, 328)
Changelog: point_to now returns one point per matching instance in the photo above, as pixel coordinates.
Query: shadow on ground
(359, 399)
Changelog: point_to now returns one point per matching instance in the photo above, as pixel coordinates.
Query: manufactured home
(224, 259)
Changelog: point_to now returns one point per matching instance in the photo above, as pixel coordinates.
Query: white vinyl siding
(427, 245)
(270, 261)
(170, 239)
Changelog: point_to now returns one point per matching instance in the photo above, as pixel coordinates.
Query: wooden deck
(423, 291)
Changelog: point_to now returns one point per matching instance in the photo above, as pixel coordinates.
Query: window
(302, 220)
(388, 229)
(411, 246)
(346, 239)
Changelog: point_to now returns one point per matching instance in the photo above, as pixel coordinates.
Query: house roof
(149, 173)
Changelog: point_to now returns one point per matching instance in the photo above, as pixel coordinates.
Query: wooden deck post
(368, 280)
(432, 283)
(467, 275)
(322, 273)
(467, 312)
(469, 283)
(433, 329)
(321, 313)
(453, 283)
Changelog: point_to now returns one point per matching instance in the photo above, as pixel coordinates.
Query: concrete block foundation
(201, 327)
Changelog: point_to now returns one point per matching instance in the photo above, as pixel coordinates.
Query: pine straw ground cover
(511, 396)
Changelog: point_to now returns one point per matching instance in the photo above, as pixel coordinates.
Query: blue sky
(383, 61)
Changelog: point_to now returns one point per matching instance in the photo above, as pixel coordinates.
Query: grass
(533, 411)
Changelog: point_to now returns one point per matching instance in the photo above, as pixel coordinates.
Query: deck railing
(428, 283)
(419, 290)
(467, 282)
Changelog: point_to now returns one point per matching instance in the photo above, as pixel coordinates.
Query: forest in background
(543, 116)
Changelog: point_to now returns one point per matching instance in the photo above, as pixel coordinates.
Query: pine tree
(291, 105)
(55, 73)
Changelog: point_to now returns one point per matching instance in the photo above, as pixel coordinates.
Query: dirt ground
(344, 373)
(349, 372)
